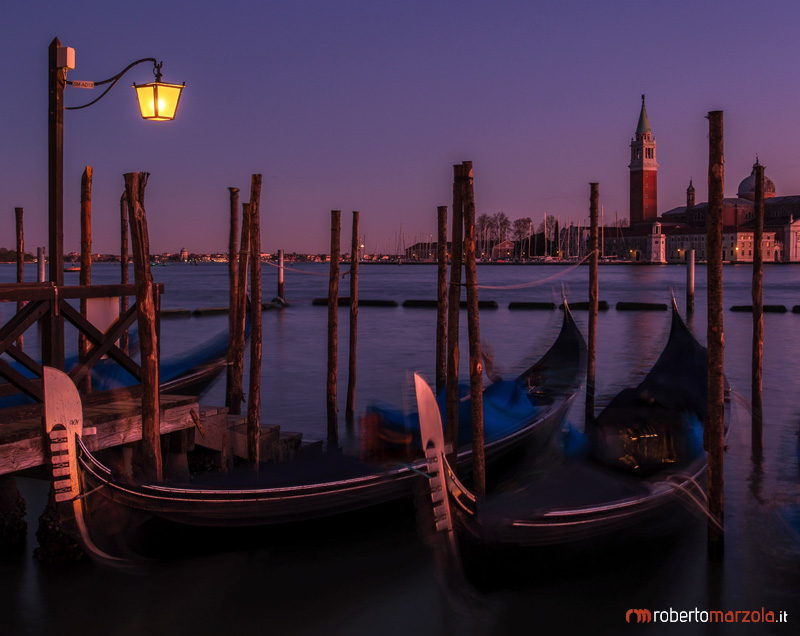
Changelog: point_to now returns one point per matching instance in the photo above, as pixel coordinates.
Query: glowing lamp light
(158, 101)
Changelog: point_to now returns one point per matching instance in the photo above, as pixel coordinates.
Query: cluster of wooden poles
(249, 240)
(331, 384)
(133, 218)
(447, 323)
(714, 425)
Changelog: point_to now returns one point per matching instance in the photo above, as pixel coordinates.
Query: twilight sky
(366, 105)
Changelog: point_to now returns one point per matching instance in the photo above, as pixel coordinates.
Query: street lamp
(160, 105)
(158, 101)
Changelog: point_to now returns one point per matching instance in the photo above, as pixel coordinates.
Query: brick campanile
(644, 173)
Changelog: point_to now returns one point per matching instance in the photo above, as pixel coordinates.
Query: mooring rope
(534, 283)
(297, 271)
(700, 501)
(541, 281)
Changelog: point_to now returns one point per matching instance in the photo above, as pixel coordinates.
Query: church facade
(667, 238)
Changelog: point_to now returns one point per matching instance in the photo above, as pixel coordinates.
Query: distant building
(503, 251)
(781, 240)
(654, 239)
(643, 173)
(184, 255)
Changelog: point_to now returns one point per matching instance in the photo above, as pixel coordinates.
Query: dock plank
(22, 444)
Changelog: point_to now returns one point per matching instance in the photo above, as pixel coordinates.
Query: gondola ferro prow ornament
(63, 422)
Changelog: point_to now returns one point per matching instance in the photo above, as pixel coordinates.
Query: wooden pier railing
(50, 304)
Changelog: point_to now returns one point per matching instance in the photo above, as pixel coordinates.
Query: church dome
(747, 188)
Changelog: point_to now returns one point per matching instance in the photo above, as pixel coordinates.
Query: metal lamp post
(158, 101)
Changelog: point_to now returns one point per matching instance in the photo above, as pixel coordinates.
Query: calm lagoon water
(371, 574)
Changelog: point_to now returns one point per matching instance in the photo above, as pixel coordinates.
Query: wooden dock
(118, 422)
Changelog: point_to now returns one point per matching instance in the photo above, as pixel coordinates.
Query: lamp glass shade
(158, 101)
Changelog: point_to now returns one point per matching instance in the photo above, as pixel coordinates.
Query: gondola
(644, 452)
(510, 407)
(190, 373)
(325, 485)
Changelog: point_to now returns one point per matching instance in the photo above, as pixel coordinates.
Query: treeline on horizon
(10, 256)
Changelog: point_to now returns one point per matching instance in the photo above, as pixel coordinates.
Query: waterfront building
(781, 240)
(503, 251)
(667, 238)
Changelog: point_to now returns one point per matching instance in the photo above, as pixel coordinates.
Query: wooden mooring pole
(40, 264)
(591, 358)
(689, 281)
(351, 376)
(86, 263)
(281, 284)
(233, 293)
(333, 331)
(453, 310)
(441, 300)
(254, 396)
(18, 213)
(473, 326)
(235, 395)
(716, 380)
(123, 262)
(135, 183)
(757, 443)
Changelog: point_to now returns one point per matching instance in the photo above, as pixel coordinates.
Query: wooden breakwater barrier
(215, 311)
(433, 304)
(603, 305)
(345, 301)
(767, 309)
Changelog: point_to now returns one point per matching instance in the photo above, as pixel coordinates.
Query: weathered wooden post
(123, 262)
(333, 335)
(351, 377)
(473, 326)
(441, 300)
(591, 358)
(235, 395)
(135, 183)
(18, 213)
(689, 281)
(453, 310)
(281, 284)
(758, 317)
(86, 263)
(716, 380)
(254, 397)
(233, 294)
(40, 264)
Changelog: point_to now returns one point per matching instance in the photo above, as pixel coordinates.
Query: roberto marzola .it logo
(642, 615)
(701, 616)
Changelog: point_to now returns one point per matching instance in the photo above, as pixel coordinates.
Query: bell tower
(644, 172)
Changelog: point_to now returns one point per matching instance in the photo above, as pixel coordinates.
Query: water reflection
(373, 575)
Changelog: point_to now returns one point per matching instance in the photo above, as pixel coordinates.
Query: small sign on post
(82, 84)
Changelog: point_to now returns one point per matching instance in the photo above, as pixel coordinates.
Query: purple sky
(367, 105)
